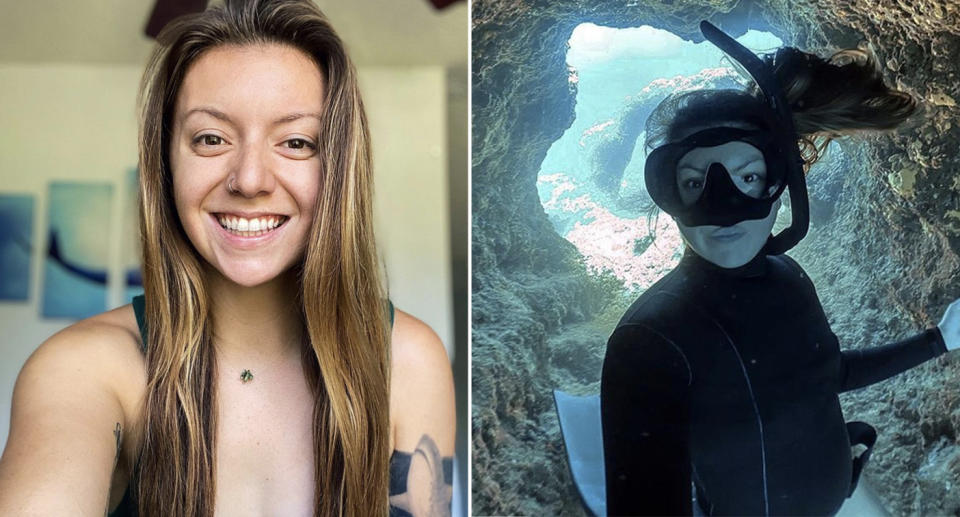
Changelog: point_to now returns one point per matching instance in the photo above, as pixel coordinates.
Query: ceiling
(377, 32)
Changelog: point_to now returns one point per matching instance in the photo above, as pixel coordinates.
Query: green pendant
(246, 376)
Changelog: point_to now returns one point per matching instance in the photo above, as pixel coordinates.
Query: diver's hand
(950, 325)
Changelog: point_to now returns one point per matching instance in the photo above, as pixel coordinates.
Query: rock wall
(885, 262)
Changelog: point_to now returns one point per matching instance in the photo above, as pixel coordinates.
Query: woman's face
(726, 246)
(248, 117)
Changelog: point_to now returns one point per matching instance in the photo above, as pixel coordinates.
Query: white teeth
(239, 224)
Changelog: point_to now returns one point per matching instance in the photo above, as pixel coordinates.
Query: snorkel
(784, 134)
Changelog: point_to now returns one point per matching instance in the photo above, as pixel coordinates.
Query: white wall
(407, 109)
(78, 122)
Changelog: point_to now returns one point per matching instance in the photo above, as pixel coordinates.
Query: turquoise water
(614, 64)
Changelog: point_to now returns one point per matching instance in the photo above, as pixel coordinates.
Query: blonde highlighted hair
(841, 95)
(346, 327)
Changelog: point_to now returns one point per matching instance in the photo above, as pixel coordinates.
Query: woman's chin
(731, 263)
(247, 275)
(730, 259)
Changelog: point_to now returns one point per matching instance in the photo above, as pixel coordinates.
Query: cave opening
(591, 181)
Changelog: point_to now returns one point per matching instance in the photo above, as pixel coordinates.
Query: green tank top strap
(139, 309)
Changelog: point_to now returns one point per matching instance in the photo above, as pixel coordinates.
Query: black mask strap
(786, 136)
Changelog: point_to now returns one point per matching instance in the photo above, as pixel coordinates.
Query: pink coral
(608, 242)
(562, 184)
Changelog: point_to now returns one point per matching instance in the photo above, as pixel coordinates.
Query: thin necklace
(246, 375)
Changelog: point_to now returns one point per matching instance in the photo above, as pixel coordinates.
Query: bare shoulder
(415, 347)
(67, 417)
(115, 328)
(108, 346)
(102, 352)
(92, 345)
(421, 385)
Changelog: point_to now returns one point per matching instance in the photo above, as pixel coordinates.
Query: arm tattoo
(117, 433)
(439, 491)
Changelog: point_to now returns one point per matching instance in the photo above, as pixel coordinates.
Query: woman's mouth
(727, 234)
(250, 227)
(248, 233)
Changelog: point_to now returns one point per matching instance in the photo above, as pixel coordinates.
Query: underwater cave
(882, 248)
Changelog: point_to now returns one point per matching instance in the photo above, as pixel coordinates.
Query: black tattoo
(440, 491)
(117, 433)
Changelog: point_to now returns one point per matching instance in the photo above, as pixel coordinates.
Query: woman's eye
(692, 184)
(300, 143)
(208, 140)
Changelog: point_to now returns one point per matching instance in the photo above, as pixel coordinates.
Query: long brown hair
(837, 96)
(341, 294)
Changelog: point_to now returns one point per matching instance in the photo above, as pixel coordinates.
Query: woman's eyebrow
(217, 114)
(295, 116)
(749, 161)
(209, 111)
(687, 166)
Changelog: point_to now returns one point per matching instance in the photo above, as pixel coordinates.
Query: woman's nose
(253, 174)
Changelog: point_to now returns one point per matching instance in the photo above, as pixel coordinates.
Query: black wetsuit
(735, 373)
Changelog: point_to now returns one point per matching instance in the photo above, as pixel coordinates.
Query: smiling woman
(240, 161)
(264, 371)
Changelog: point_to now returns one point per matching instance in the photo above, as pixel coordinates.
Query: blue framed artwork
(16, 246)
(78, 240)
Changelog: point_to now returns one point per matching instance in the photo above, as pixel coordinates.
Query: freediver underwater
(719, 390)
